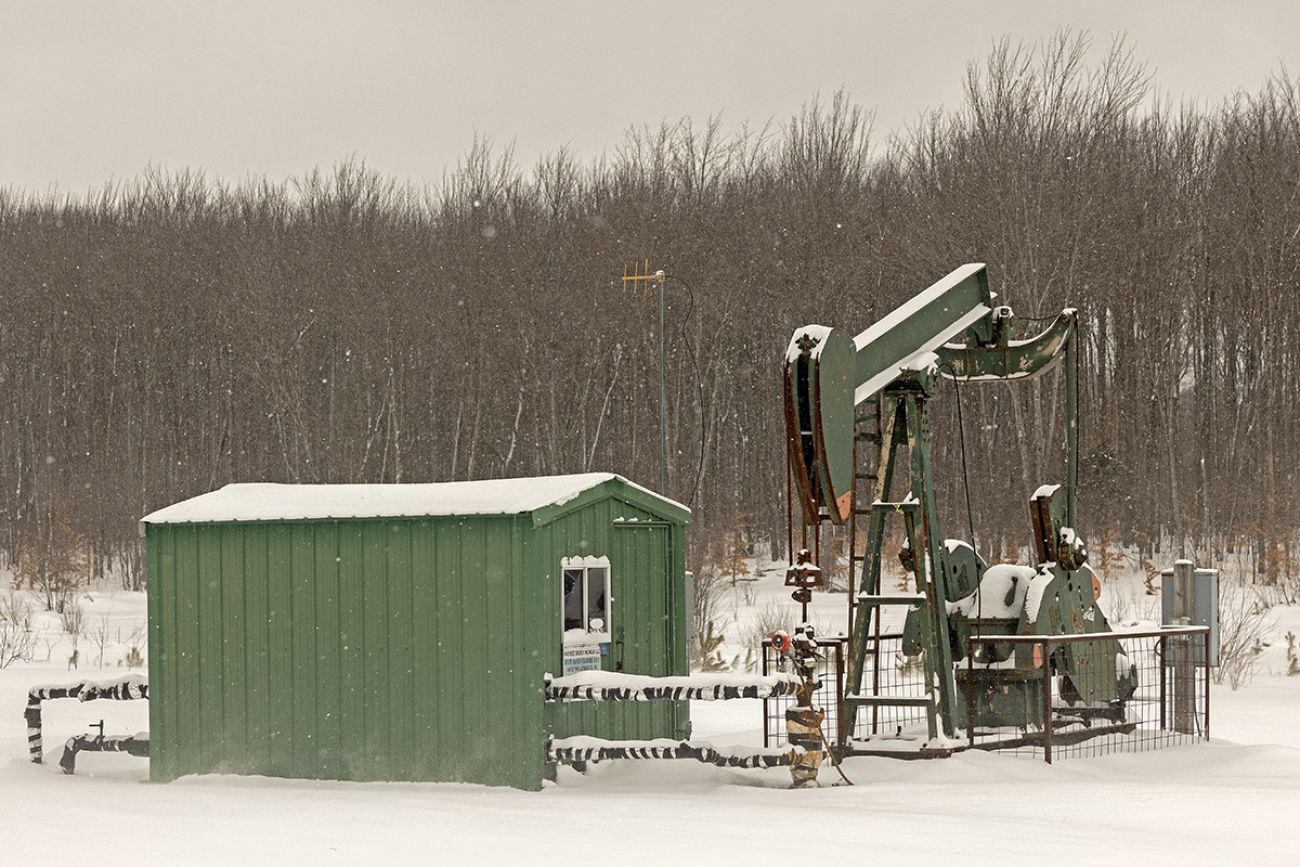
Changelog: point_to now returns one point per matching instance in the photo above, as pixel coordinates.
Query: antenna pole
(663, 431)
(641, 274)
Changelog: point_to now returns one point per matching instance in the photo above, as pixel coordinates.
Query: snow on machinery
(806, 747)
(842, 392)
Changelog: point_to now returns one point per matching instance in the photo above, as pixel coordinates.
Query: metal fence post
(1184, 664)
(1205, 646)
(1162, 658)
(970, 692)
(766, 643)
(1047, 701)
(842, 731)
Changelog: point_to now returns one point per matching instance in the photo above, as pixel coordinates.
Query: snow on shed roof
(265, 501)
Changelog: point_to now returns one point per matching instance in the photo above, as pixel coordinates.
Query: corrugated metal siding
(399, 650)
(403, 649)
(647, 614)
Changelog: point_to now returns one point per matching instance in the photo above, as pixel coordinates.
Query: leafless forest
(165, 335)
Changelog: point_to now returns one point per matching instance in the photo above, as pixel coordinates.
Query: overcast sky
(98, 90)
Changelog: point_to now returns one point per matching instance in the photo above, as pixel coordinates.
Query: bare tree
(168, 334)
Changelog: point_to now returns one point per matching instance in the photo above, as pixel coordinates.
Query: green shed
(403, 632)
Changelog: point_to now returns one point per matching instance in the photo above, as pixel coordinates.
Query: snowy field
(1234, 800)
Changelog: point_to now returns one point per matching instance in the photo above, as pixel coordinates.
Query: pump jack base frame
(1059, 737)
(1064, 733)
(909, 755)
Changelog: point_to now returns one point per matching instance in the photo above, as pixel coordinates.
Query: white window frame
(587, 636)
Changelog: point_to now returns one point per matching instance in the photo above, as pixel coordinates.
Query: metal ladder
(867, 604)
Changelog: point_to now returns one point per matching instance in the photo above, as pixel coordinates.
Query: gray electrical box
(1203, 609)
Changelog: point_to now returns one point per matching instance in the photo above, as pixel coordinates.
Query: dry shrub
(72, 618)
(17, 640)
(54, 563)
(1244, 621)
(706, 601)
(762, 622)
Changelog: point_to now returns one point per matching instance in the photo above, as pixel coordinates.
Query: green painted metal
(951, 330)
(959, 304)
(819, 410)
(1072, 429)
(651, 643)
(906, 421)
(965, 567)
(834, 425)
(401, 649)
(1011, 359)
(939, 654)
(1027, 359)
(827, 375)
(1003, 697)
(651, 507)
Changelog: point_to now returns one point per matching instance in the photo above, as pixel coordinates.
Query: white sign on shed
(581, 657)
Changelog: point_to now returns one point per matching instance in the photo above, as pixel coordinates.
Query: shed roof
(264, 501)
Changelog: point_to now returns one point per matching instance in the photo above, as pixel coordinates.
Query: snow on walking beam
(589, 749)
(617, 686)
(130, 687)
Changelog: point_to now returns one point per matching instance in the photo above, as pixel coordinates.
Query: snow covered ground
(1234, 800)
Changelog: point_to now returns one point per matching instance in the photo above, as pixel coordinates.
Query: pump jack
(875, 388)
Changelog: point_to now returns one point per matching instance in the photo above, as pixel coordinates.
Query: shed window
(587, 598)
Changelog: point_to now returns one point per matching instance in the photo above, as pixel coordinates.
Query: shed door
(644, 603)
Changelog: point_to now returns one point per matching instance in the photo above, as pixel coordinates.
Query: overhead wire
(961, 441)
(965, 476)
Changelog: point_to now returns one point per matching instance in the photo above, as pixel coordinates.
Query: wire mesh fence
(1097, 694)
(889, 672)
(1056, 697)
(830, 670)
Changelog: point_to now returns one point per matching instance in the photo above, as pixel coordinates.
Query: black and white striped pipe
(803, 727)
(128, 688)
(558, 752)
(33, 716)
(715, 692)
(136, 745)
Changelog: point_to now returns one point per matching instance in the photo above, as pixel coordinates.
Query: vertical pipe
(874, 611)
(841, 733)
(789, 510)
(1045, 654)
(1184, 664)
(1071, 426)
(970, 693)
(32, 713)
(663, 431)
(766, 702)
(1162, 649)
(1205, 658)
(853, 526)
(817, 543)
